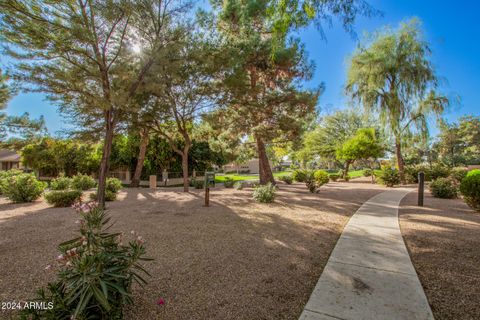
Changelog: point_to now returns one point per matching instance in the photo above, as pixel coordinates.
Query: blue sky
(452, 31)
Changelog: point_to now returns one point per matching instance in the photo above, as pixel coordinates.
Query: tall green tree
(83, 55)
(391, 75)
(364, 145)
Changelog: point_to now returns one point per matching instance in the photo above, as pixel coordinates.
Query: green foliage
(432, 172)
(321, 177)
(367, 172)
(363, 145)
(334, 176)
(199, 184)
(23, 187)
(228, 182)
(470, 189)
(264, 193)
(60, 183)
(458, 173)
(389, 177)
(391, 75)
(443, 188)
(63, 198)
(286, 178)
(438, 171)
(347, 177)
(83, 182)
(299, 175)
(109, 196)
(113, 185)
(95, 272)
(5, 175)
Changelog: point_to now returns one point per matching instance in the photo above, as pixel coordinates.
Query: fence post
(421, 184)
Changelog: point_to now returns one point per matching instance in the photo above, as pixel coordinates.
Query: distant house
(251, 166)
(9, 160)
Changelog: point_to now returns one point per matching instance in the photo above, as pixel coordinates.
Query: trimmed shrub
(443, 188)
(109, 196)
(228, 182)
(287, 179)
(23, 187)
(299, 175)
(367, 172)
(264, 194)
(389, 177)
(321, 177)
(470, 189)
(63, 198)
(438, 171)
(458, 173)
(198, 184)
(95, 272)
(334, 176)
(83, 182)
(113, 185)
(431, 172)
(60, 183)
(5, 175)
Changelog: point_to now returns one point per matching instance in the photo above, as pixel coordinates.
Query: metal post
(207, 196)
(421, 184)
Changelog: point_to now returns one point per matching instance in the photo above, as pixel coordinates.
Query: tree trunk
(141, 158)
(185, 169)
(345, 172)
(400, 163)
(265, 171)
(105, 162)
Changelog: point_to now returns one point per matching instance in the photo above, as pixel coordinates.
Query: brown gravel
(234, 260)
(443, 239)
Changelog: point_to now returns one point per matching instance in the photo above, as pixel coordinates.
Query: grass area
(355, 173)
(219, 178)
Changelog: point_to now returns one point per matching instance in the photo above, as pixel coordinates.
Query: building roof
(9, 156)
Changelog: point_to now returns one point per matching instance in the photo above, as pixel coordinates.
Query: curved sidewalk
(369, 274)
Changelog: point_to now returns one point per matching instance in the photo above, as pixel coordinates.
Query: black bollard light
(421, 184)
(207, 196)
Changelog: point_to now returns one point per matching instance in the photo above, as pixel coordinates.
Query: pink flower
(140, 240)
(48, 267)
(60, 257)
(161, 302)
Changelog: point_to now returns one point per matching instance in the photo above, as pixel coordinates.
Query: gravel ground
(234, 260)
(443, 239)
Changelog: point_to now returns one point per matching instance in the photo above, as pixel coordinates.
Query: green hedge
(63, 198)
(470, 189)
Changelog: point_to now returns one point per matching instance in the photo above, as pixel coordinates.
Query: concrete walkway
(370, 275)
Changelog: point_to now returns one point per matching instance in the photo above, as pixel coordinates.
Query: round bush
(389, 177)
(334, 176)
(367, 172)
(458, 173)
(63, 198)
(470, 189)
(287, 179)
(443, 188)
(83, 182)
(264, 194)
(438, 171)
(5, 175)
(113, 185)
(228, 182)
(23, 187)
(60, 183)
(109, 195)
(299, 175)
(321, 177)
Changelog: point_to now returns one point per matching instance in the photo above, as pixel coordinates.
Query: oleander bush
(287, 179)
(265, 193)
(334, 176)
(63, 198)
(431, 172)
(95, 272)
(470, 189)
(458, 173)
(388, 177)
(228, 182)
(83, 182)
(438, 170)
(5, 175)
(23, 187)
(299, 175)
(443, 188)
(60, 183)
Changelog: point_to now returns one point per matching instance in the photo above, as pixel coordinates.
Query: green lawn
(219, 178)
(355, 173)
